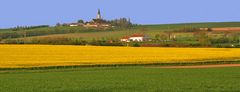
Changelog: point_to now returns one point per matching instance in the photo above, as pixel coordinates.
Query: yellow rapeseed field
(24, 56)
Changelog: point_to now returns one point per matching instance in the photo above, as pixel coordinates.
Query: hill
(69, 35)
(149, 28)
(192, 25)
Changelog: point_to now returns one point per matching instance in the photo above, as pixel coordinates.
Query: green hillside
(70, 35)
(138, 28)
(192, 25)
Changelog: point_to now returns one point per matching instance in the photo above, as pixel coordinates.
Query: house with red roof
(135, 38)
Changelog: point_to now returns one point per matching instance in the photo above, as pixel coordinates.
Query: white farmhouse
(135, 38)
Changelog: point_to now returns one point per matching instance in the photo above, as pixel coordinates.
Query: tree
(80, 21)
(121, 23)
(157, 37)
(58, 24)
(163, 37)
(202, 38)
(136, 45)
(235, 38)
(169, 34)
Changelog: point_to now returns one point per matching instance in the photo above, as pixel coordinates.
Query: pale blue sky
(37, 12)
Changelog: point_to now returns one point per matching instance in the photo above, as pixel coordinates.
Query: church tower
(99, 14)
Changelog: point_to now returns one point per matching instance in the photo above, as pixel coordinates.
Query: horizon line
(149, 23)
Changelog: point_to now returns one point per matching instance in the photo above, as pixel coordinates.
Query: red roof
(126, 37)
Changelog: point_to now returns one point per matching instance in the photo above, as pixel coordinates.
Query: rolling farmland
(128, 53)
(27, 56)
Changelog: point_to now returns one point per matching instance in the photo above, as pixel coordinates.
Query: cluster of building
(98, 22)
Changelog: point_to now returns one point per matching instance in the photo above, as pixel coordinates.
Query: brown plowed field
(229, 29)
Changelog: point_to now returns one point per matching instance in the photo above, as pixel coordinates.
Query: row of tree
(48, 31)
(18, 28)
(121, 23)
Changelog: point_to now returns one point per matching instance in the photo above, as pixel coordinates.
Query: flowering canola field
(25, 56)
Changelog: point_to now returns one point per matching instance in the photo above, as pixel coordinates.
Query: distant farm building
(135, 38)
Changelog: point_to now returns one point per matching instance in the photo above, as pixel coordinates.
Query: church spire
(99, 14)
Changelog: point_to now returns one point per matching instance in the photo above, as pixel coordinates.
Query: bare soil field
(227, 29)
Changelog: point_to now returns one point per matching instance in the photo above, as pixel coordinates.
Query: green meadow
(121, 79)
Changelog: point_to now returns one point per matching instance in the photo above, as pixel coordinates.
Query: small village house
(135, 38)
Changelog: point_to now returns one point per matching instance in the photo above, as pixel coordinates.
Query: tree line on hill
(21, 32)
(19, 28)
(66, 41)
(121, 23)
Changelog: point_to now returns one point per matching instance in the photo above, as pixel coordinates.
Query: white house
(135, 38)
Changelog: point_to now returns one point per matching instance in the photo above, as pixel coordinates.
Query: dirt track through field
(198, 66)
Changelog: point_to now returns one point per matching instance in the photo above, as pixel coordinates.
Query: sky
(49, 12)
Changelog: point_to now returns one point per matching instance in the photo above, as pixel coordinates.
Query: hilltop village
(99, 22)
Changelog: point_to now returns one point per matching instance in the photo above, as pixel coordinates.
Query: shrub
(136, 45)
(150, 45)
